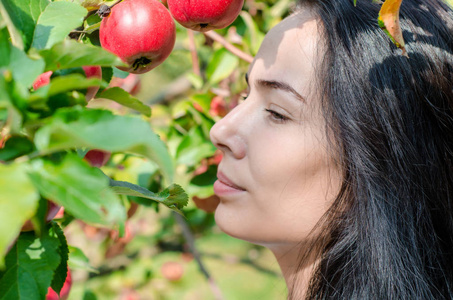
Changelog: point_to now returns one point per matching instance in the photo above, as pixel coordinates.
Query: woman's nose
(227, 135)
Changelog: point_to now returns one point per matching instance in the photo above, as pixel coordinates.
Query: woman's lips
(224, 185)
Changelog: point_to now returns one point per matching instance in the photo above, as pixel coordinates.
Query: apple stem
(104, 10)
(140, 62)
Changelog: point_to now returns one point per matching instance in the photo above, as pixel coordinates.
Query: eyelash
(276, 117)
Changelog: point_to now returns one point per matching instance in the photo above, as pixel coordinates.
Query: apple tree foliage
(45, 134)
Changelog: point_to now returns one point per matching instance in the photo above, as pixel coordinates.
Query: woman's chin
(241, 225)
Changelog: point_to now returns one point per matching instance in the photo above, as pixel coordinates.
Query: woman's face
(277, 177)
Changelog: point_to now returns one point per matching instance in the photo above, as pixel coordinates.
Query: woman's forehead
(289, 50)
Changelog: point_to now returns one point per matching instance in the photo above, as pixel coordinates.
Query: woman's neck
(297, 267)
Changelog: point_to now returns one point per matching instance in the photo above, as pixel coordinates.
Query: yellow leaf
(389, 21)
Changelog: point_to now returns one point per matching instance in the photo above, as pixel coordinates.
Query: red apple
(3, 139)
(218, 107)
(141, 32)
(52, 210)
(172, 270)
(42, 80)
(208, 204)
(130, 84)
(119, 243)
(205, 15)
(64, 293)
(197, 106)
(97, 158)
(90, 71)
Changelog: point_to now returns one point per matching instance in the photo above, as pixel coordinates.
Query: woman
(340, 159)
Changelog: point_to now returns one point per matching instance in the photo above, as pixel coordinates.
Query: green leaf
(92, 23)
(194, 147)
(81, 189)
(107, 74)
(253, 32)
(71, 82)
(16, 146)
(195, 80)
(5, 48)
(71, 54)
(18, 203)
(122, 97)
(222, 64)
(79, 261)
(30, 266)
(120, 73)
(173, 196)
(62, 270)
(25, 70)
(92, 4)
(21, 17)
(56, 22)
(73, 128)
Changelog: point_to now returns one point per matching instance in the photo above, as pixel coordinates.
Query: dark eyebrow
(278, 85)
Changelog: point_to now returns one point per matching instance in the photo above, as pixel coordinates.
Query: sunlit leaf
(18, 203)
(389, 21)
(173, 197)
(21, 17)
(79, 261)
(194, 147)
(256, 37)
(100, 129)
(81, 189)
(122, 97)
(30, 266)
(71, 82)
(222, 64)
(56, 22)
(25, 70)
(71, 54)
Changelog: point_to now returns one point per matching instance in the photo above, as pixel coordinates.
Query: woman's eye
(276, 117)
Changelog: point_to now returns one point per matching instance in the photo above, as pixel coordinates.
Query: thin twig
(230, 47)
(191, 242)
(193, 52)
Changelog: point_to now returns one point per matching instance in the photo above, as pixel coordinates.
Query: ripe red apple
(42, 80)
(3, 139)
(208, 204)
(218, 107)
(130, 84)
(97, 158)
(205, 15)
(119, 243)
(64, 293)
(90, 72)
(140, 32)
(52, 210)
(172, 270)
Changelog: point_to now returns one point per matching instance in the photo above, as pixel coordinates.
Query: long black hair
(389, 233)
